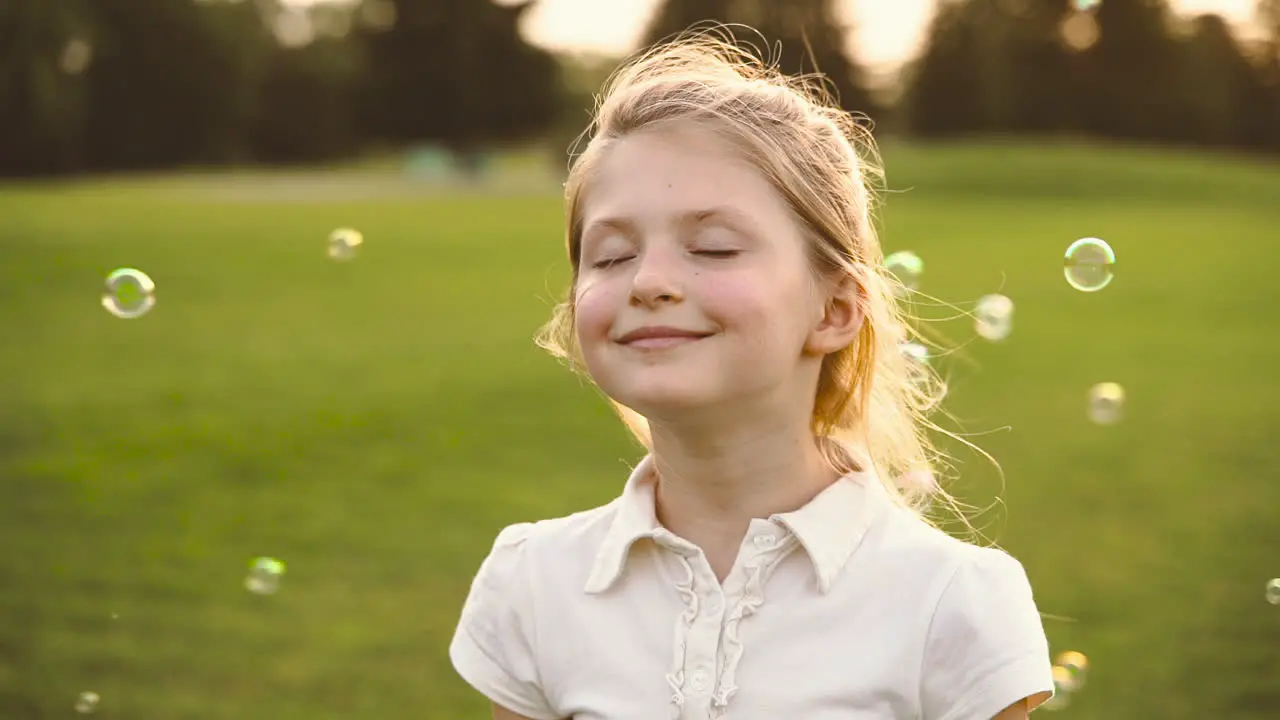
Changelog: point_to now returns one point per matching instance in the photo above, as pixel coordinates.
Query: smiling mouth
(665, 341)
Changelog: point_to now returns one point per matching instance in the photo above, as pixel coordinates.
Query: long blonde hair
(825, 164)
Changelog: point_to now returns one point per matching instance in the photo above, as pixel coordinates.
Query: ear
(841, 319)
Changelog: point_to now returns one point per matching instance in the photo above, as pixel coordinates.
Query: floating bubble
(1273, 591)
(1075, 665)
(129, 293)
(915, 352)
(907, 267)
(1080, 31)
(87, 702)
(993, 317)
(76, 57)
(1106, 403)
(1089, 264)
(344, 242)
(264, 576)
(1061, 695)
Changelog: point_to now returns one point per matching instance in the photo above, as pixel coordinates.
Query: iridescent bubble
(1273, 591)
(76, 57)
(264, 576)
(907, 267)
(993, 317)
(344, 242)
(1089, 264)
(1061, 695)
(1106, 403)
(915, 352)
(129, 293)
(87, 703)
(1080, 31)
(1076, 666)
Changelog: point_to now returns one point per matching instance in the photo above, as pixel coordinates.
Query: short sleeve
(493, 647)
(986, 647)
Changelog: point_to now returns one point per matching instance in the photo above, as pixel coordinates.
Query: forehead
(659, 174)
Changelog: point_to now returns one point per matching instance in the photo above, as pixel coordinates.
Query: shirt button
(764, 542)
(700, 680)
(713, 603)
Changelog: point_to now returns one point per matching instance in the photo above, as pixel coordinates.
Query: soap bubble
(87, 703)
(915, 352)
(1089, 264)
(993, 317)
(264, 576)
(76, 57)
(1061, 695)
(907, 267)
(1076, 666)
(1080, 31)
(344, 242)
(1106, 403)
(129, 293)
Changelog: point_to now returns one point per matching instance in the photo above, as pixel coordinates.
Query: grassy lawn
(375, 423)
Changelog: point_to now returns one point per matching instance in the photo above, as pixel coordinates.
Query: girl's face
(694, 288)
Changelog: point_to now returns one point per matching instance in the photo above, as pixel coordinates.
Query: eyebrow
(684, 219)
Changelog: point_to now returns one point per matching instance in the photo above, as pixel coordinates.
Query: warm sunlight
(887, 33)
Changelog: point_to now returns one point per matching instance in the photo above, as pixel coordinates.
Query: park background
(374, 423)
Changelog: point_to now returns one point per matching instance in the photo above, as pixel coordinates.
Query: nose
(656, 280)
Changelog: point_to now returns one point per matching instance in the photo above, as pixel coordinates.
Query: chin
(657, 399)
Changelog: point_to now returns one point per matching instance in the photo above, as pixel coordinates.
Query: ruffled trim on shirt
(751, 600)
(684, 624)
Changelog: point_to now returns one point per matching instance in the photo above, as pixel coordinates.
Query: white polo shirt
(850, 607)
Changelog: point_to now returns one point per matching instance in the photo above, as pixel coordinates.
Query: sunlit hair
(871, 401)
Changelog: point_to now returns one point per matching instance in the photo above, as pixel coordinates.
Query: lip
(659, 336)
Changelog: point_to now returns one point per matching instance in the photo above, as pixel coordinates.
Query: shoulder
(906, 541)
(564, 544)
(957, 574)
(985, 646)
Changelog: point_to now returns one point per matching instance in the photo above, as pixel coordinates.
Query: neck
(710, 487)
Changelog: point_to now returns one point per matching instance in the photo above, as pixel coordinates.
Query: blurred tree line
(98, 85)
(104, 85)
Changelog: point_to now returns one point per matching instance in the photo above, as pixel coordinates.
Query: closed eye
(609, 262)
(717, 253)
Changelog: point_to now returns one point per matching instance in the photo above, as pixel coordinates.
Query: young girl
(762, 562)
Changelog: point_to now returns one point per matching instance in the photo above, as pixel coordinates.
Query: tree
(42, 95)
(1264, 105)
(456, 72)
(944, 84)
(676, 16)
(1130, 77)
(171, 83)
(805, 33)
(811, 40)
(1219, 83)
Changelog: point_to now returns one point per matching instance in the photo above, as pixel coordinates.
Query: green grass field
(375, 423)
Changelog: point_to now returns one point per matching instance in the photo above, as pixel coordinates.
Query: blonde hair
(824, 163)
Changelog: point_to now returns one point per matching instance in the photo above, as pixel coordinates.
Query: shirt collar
(829, 528)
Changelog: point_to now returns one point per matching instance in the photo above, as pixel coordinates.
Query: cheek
(594, 311)
(751, 305)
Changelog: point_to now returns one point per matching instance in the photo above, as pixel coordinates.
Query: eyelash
(716, 254)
